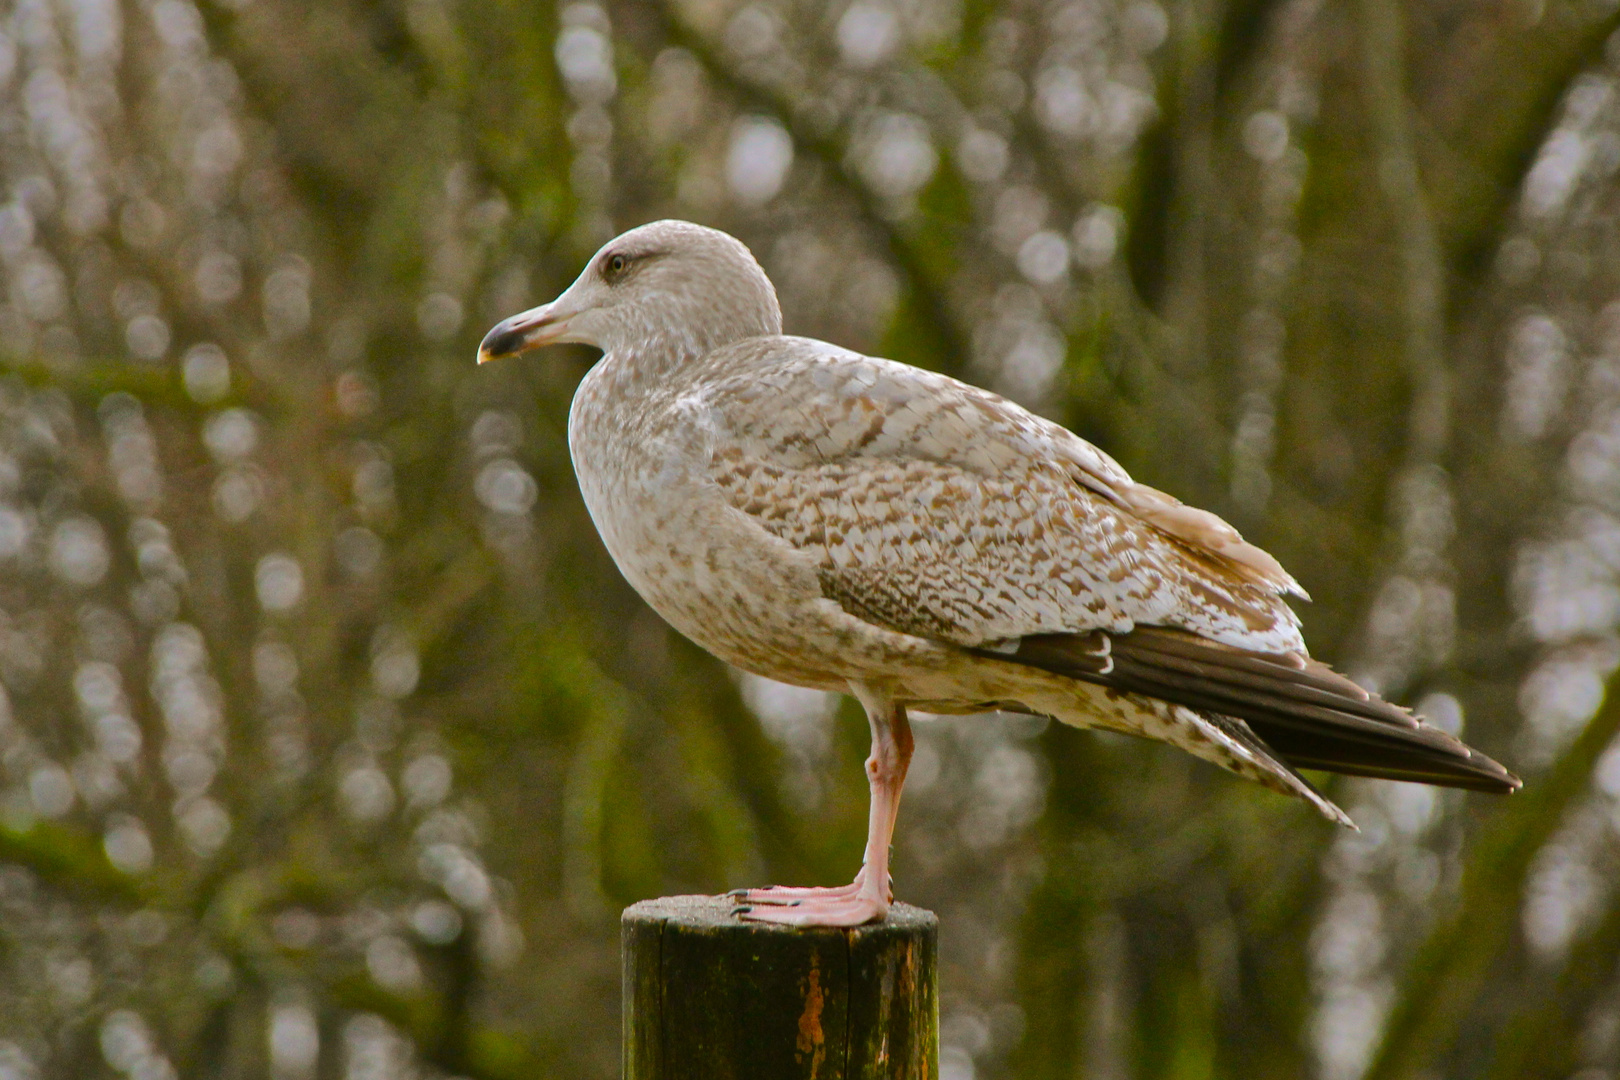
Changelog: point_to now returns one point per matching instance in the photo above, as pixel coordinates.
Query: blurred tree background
(331, 742)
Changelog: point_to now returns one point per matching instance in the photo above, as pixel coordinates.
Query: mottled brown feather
(939, 509)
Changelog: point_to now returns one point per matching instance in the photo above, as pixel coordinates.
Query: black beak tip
(500, 342)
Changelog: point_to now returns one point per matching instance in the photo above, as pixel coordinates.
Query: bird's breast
(709, 570)
(638, 471)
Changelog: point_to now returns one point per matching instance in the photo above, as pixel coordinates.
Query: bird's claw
(824, 911)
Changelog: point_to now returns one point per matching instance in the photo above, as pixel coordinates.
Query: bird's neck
(646, 367)
(657, 361)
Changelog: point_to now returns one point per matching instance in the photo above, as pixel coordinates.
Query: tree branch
(903, 248)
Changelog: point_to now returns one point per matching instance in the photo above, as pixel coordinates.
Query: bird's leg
(868, 896)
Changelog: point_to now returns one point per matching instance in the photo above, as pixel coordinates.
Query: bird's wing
(942, 510)
(938, 509)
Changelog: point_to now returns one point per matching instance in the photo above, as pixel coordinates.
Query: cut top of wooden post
(709, 996)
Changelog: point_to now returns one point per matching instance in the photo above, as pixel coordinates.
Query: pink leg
(867, 897)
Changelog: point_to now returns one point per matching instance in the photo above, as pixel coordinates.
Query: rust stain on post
(812, 1040)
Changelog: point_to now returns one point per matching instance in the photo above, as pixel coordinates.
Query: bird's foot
(851, 909)
(787, 894)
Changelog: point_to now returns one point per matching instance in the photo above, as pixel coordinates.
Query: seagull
(852, 524)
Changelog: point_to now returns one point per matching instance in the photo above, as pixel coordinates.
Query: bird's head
(668, 284)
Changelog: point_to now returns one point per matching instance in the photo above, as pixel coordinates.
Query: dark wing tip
(1506, 782)
(1311, 716)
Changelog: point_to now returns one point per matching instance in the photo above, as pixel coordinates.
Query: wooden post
(710, 997)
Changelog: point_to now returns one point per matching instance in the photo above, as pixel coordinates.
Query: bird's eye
(616, 265)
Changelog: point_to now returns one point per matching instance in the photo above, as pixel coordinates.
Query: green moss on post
(707, 995)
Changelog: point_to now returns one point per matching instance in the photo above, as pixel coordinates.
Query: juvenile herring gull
(852, 524)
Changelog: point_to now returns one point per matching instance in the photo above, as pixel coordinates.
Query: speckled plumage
(935, 508)
(816, 516)
(853, 524)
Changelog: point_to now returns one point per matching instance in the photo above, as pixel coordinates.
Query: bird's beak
(529, 330)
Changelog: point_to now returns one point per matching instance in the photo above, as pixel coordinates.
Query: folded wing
(937, 509)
